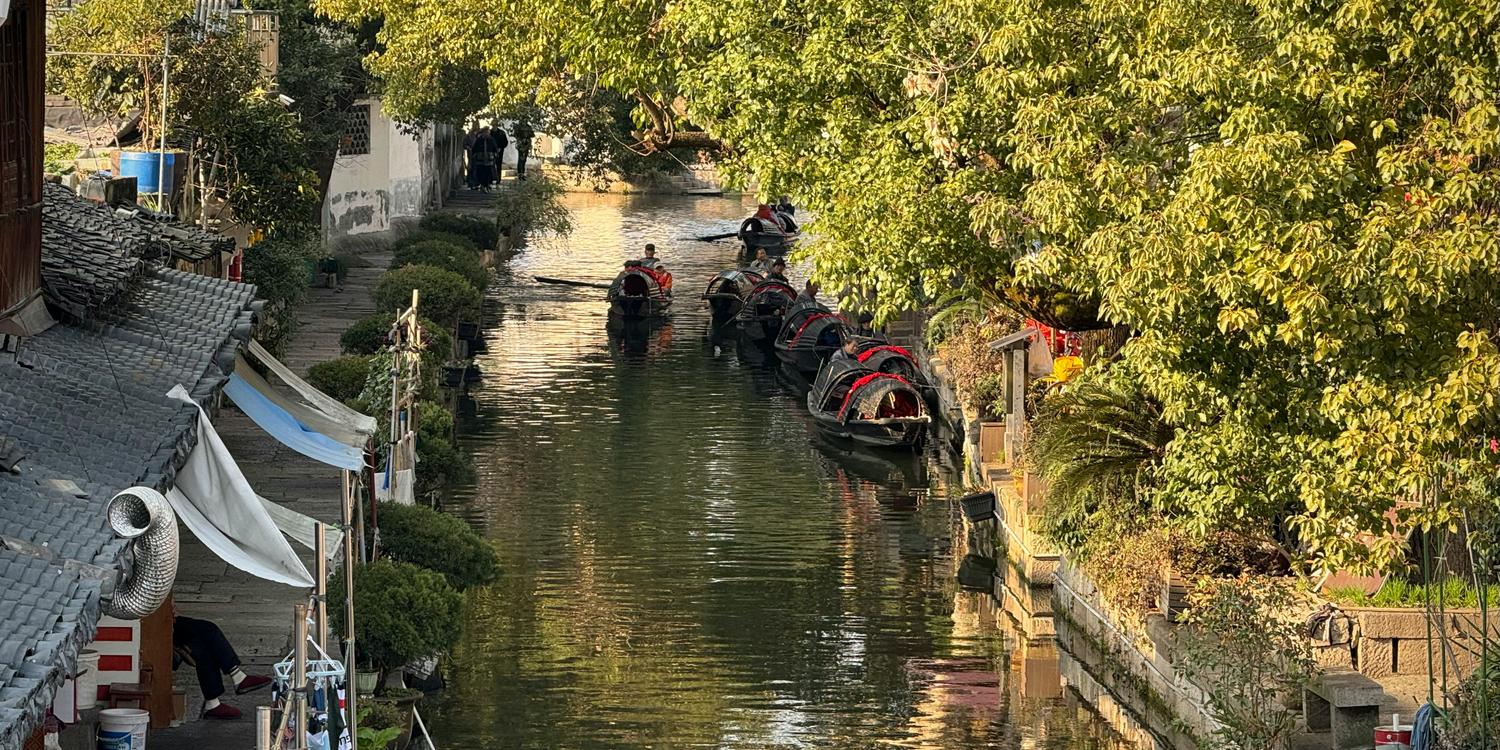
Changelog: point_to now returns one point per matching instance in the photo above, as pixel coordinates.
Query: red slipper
(251, 683)
(222, 712)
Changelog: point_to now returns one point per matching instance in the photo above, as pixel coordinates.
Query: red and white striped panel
(119, 645)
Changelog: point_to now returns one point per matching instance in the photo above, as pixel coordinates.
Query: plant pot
(979, 506)
(1175, 591)
(366, 682)
(471, 373)
(453, 375)
(468, 331)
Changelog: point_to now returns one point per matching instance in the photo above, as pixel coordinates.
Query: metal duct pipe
(142, 515)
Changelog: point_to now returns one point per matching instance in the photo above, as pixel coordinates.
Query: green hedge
(342, 378)
(446, 296)
(437, 541)
(367, 336)
(445, 255)
(403, 612)
(482, 232)
(427, 235)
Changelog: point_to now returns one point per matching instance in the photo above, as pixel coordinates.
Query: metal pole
(161, 154)
(321, 551)
(350, 719)
(263, 728)
(299, 676)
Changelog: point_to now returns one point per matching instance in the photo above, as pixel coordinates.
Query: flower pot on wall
(366, 682)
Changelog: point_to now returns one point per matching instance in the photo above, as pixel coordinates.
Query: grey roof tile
(86, 402)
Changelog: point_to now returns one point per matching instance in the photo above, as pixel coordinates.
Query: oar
(571, 282)
(715, 237)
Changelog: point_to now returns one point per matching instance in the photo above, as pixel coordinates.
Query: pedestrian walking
(524, 136)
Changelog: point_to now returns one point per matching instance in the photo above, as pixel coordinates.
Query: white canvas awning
(214, 500)
(315, 399)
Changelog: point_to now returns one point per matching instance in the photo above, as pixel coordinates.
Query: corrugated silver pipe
(143, 516)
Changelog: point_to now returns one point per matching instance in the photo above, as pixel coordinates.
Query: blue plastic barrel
(143, 166)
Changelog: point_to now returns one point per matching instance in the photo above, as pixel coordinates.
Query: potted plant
(437, 541)
(402, 612)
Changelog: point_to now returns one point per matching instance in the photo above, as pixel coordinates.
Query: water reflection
(686, 563)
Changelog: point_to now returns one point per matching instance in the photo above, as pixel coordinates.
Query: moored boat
(727, 293)
(760, 315)
(640, 292)
(769, 229)
(809, 334)
(879, 409)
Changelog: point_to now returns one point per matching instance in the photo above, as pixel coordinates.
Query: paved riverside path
(256, 615)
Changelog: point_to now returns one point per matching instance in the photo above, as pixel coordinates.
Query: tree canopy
(1292, 204)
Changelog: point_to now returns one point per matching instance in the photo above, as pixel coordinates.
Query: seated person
(202, 644)
(809, 292)
(649, 258)
(849, 350)
(762, 262)
(778, 270)
(664, 278)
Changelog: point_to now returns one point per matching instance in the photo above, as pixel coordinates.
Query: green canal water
(686, 564)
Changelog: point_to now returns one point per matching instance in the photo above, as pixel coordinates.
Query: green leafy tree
(1293, 206)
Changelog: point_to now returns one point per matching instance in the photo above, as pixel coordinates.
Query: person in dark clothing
(483, 156)
(498, 136)
(524, 136)
(202, 644)
(778, 270)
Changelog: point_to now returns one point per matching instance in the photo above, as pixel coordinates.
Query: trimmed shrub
(445, 255)
(368, 335)
(342, 378)
(482, 232)
(427, 235)
(437, 541)
(403, 612)
(446, 296)
(439, 464)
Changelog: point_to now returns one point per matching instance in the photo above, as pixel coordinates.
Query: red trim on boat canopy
(815, 316)
(862, 382)
(868, 353)
(765, 285)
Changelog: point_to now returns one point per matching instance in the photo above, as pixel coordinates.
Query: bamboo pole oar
(571, 282)
(715, 237)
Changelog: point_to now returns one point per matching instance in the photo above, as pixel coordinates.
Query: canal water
(685, 563)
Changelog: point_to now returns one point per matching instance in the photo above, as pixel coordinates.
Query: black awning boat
(639, 292)
(760, 316)
(851, 401)
(727, 292)
(809, 334)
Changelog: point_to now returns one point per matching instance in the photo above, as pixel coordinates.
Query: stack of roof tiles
(86, 404)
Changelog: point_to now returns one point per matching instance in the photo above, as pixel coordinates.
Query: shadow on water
(686, 563)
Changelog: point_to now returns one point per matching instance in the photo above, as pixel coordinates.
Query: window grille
(356, 138)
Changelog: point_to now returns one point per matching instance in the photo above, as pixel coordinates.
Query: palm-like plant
(1095, 442)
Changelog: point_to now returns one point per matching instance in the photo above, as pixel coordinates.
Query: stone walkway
(256, 615)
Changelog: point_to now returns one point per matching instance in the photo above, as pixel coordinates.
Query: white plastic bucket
(123, 728)
(87, 679)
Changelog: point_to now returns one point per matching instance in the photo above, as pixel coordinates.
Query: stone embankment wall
(1120, 667)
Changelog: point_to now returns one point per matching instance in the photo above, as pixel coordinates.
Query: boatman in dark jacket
(849, 351)
(809, 292)
(778, 270)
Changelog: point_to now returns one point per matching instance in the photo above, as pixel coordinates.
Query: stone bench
(1346, 704)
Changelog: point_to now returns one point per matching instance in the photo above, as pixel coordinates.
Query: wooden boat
(873, 408)
(810, 333)
(760, 315)
(727, 293)
(882, 356)
(638, 293)
(770, 230)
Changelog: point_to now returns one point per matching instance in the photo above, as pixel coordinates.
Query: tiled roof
(86, 403)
